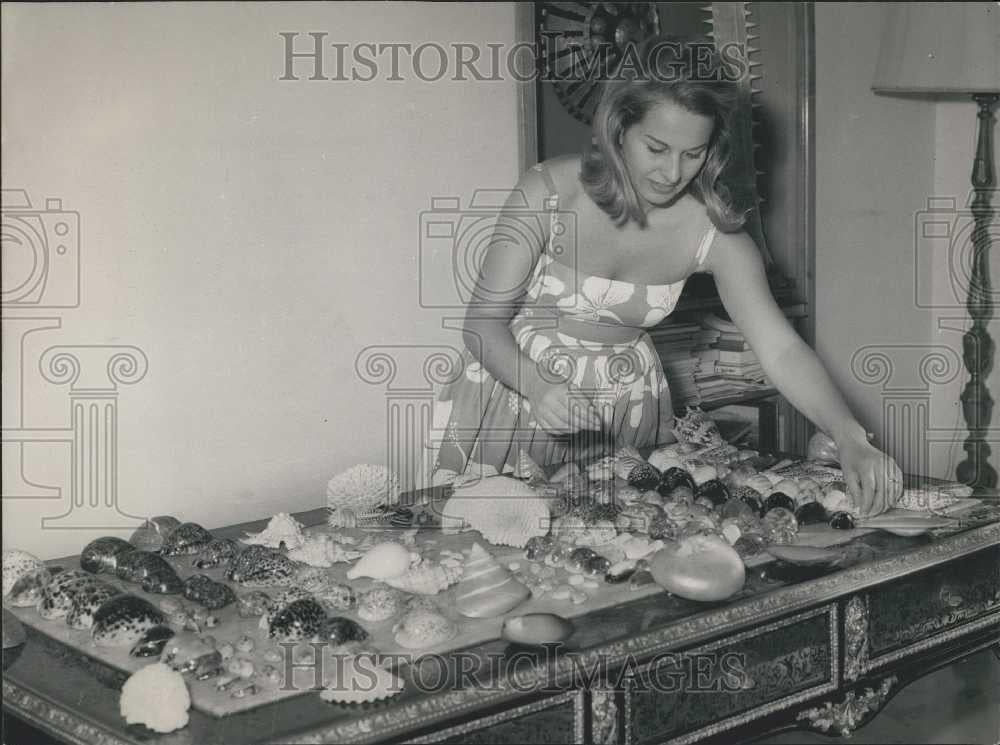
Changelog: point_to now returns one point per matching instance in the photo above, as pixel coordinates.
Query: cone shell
(383, 560)
(487, 588)
(426, 580)
(505, 511)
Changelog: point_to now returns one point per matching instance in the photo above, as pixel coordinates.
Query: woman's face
(664, 151)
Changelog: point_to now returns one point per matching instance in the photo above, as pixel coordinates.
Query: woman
(557, 361)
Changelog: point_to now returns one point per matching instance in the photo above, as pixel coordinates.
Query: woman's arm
(796, 371)
(504, 278)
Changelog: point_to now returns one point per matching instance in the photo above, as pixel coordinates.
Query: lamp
(954, 48)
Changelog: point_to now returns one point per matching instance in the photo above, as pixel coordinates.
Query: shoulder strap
(705, 245)
(552, 201)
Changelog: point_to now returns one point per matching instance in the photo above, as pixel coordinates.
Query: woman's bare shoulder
(565, 172)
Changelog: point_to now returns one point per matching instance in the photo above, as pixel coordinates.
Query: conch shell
(426, 580)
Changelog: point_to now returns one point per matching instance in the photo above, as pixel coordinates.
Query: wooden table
(825, 652)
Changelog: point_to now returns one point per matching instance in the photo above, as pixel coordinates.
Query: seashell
(215, 553)
(358, 680)
(694, 428)
(360, 489)
(383, 560)
(339, 630)
(602, 470)
(714, 490)
(426, 580)
(487, 589)
(643, 476)
(380, 603)
(185, 539)
(165, 582)
(620, 572)
(537, 629)
(151, 643)
(254, 603)
(209, 593)
(260, 566)
(86, 603)
(27, 591)
(17, 563)
(58, 595)
(504, 510)
(282, 528)
(842, 520)
(101, 554)
(186, 651)
(538, 547)
(596, 566)
(322, 551)
(136, 565)
(331, 594)
(811, 512)
(123, 620)
(300, 620)
(779, 499)
(664, 458)
(673, 478)
(150, 535)
(699, 567)
(420, 628)
(760, 483)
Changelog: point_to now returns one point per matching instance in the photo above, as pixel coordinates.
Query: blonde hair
(694, 80)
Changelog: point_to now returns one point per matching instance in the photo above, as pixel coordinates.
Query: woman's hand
(873, 479)
(560, 410)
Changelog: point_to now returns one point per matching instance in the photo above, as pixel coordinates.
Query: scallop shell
(421, 627)
(504, 510)
(16, 564)
(360, 489)
(357, 680)
(427, 580)
(383, 560)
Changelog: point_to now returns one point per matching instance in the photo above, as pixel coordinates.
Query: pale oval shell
(382, 561)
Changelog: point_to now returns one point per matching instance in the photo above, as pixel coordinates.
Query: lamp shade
(940, 48)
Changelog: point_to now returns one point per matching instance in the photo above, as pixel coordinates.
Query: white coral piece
(505, 511)
(282, 528)
(358, 491)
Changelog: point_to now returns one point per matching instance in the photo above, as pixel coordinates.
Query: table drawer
(557, 719)
(916, 612)
(706, 690)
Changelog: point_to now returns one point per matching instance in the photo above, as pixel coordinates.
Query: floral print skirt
(481, 426)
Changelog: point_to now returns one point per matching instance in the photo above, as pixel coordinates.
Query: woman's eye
(695, 156)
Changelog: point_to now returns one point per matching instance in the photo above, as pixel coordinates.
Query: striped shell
(505, 511)
(428, 580)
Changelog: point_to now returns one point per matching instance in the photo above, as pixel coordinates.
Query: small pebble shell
(422, 628)
(380, 603)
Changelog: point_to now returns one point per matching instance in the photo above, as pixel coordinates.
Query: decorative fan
(583, 42)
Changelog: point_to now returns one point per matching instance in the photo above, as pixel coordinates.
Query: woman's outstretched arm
(873, 478)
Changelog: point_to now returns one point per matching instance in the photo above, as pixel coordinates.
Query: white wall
(249, 235)
(879, 159)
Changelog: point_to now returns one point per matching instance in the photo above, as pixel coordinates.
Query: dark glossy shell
(152, 642)
(101, 554)
(672, 478)
(811, 513)
(122, 621)
(538, 547)
(842, 520)
(259, 566)
(300, 620)
(87, 601)
(750, 496)
(205, 590)
(217, 552)
(779, 499)
(163, 583)
(27, 591)
(136, 565)
(644, 476)
(714, 490)
(596, 566)
(58, 595)
(185, 539)
(339, 630)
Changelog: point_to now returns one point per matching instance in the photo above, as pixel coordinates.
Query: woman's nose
(671, 171)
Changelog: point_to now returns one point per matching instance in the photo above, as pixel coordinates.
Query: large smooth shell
(699, 567)
(537, 628)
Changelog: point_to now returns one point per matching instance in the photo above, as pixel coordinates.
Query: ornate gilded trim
(604, 716)
(944, 636)
(781, 704)
(532, 708)
(50, 718)
(850, 712)
(856, 637)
